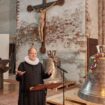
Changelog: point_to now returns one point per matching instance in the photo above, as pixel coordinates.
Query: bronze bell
(93, 89)
(51, 64)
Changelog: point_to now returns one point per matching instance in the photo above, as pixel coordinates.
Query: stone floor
(9, 94)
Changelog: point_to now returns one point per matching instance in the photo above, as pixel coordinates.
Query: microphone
(62, 69)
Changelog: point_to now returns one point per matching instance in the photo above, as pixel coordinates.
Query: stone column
(101, 16)
(87, 20)
(103, 22)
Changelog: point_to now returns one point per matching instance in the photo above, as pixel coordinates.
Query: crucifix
(42, 8)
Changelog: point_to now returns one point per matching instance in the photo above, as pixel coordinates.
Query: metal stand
(1, 80)
(64, 71)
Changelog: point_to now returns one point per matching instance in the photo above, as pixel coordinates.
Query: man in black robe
(31, 73)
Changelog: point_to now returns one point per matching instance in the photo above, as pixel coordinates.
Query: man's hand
(50, 72)
(20, 72)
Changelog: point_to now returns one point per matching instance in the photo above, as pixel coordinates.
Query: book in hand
(45, 86)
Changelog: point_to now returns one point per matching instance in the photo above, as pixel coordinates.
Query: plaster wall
(65, 33)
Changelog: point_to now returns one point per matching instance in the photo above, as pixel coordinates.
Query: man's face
(32, 54)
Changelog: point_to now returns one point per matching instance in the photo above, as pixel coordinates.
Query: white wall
(4, 49)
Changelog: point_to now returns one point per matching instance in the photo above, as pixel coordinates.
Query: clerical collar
(35, 62)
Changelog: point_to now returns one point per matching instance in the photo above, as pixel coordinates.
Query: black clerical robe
(34, 75)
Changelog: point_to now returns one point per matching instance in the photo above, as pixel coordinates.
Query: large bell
(94, 87)
(51, 64)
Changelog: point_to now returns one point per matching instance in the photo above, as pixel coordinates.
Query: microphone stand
(64, 71)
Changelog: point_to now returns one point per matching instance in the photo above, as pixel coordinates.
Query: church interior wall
(7, 16)
(65, 33)
(4, 20)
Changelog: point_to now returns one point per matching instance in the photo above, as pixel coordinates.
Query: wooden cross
(42, 8)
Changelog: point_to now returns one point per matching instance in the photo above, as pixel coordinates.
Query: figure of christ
(41, 24)
(42, 20)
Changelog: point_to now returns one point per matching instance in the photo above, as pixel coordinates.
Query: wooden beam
(43, 6)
